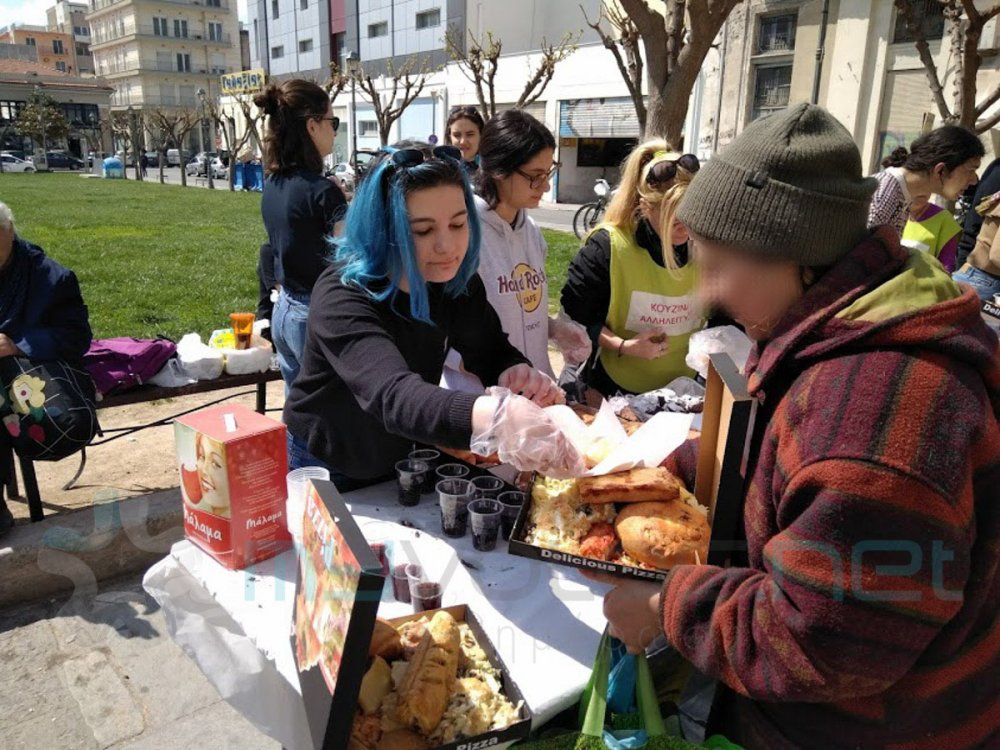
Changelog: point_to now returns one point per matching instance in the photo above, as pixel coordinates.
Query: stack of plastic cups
(297, 483)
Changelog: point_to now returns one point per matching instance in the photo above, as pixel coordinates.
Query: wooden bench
(141, 395)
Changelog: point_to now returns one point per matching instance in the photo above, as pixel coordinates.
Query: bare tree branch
(992, 98)
(905, 11)
(625, 49)
(478, 62)
(406, 85)
(552, 55)
(983, 125)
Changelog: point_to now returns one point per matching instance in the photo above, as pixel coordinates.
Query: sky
(33, 11)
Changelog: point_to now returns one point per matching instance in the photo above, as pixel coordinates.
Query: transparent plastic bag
(728, 339)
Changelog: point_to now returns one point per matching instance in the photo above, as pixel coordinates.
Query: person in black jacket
(300, 207)
(404, 289)
(989, 183)
(266, 284)
(42, 317)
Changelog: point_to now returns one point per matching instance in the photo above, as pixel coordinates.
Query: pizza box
(726, 424)
(991, 313)
(339, 582)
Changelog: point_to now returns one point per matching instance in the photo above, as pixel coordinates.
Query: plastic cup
(425, 595)
(379, 548)
(401, 583)
(511, 503)
(296, 483)
(488, 487)
(452, 471)
(242, 328)
(484, 517)
(454, 496)
(431, 458)
(409, 481)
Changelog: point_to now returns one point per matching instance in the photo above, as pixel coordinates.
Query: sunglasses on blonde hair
(665, 171)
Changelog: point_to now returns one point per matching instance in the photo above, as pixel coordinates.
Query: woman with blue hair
(402, 291)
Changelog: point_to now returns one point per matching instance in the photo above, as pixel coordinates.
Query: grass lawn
(161, 259)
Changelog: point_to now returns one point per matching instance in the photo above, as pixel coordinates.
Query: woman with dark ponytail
(942, 162)
(300, 206)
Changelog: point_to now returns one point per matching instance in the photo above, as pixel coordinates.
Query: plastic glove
(570, 338)
(533, 384)
(524, 436)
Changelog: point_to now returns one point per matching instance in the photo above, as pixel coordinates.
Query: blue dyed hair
(376, 249)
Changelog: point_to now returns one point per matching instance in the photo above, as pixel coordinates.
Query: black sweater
(299, 211)
(368, 388)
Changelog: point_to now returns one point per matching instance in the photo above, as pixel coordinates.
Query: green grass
(161, 259)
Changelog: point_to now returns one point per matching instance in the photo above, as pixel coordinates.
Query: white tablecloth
(545, 621)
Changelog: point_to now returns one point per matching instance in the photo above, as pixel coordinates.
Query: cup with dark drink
(488, 486)
(511, 503)
(410, 476)
(431, 458)
(454, 496)
(425, 595)
(401, 583)
(484, 517)
(379, 547)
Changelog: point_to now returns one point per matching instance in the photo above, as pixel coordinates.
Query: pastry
(402, 739)
(426, 688)
(663, 534)
(375, 685)
(635, 486)
(386, 641)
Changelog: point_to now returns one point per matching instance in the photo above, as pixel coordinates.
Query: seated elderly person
(42, 317)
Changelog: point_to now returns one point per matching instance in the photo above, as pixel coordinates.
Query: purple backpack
(121, 364)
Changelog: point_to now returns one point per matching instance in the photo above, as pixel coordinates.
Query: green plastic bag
(600, 730)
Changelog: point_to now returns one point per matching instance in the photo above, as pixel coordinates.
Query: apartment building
(71, 18)
(160, 53)
(55, 49)
(290, 38)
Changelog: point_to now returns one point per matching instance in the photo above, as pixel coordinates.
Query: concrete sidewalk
(98, 670)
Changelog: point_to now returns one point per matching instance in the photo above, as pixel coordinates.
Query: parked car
(343, 175)
(13, 164)
(125, 158)
(175, 157)
(15, 153)
(152, 158)
(197, 165)
(63, 160)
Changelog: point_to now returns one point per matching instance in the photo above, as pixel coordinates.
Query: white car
(13, 164)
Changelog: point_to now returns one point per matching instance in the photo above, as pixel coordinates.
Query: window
(164, 60)
(306, 45)
(278, 52)
(274, 8)
(61, 66)
(57, 47)
(777, 34)
(183, 62)
(339, 43)
(772, 84)
(30, 41)
(367, 127)
(160, 27)
(213, 3)
(303, 4)
(927, 15)
(81, 50)
(215, 31)
(378, 29)
(180, 29)
(429, 19)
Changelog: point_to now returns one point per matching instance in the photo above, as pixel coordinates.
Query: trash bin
(113, 169)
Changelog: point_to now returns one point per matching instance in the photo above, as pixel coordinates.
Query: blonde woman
(631, 285)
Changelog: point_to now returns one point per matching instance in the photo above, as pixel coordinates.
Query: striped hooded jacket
(867, 616)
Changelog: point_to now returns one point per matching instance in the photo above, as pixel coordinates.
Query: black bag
(47, 408)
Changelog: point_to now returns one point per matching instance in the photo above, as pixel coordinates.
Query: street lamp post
(351, 63)
(204, 114)
(41, 122)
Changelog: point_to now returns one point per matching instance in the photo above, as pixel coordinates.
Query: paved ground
(98, 670)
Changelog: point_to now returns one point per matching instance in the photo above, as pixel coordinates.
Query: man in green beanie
(864, 612)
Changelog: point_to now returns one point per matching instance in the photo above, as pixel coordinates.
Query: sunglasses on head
(664, 171)
(411, 157)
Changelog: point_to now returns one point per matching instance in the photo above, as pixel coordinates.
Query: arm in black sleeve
(478, 336)
(989, 184)
(62, 330)
(350, 335)
(323, 207)
(586, 296)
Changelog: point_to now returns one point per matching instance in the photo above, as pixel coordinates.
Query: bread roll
(375, 685)
(635, 486)
(386, 641)
(430, 675)
(663, 534)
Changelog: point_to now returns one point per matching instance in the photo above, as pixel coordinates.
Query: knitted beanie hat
(789, 187)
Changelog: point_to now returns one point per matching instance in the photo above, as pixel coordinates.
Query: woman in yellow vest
(933, 230)
(632, 285)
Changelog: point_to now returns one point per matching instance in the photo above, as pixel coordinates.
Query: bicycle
(589, 215)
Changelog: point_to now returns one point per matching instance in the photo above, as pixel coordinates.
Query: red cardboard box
(233, 463)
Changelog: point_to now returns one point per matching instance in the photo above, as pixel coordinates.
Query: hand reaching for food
(533, 384)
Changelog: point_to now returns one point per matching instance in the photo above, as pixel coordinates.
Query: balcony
(150, 66)
(154, 100)
(100, 6)
(149, 32)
